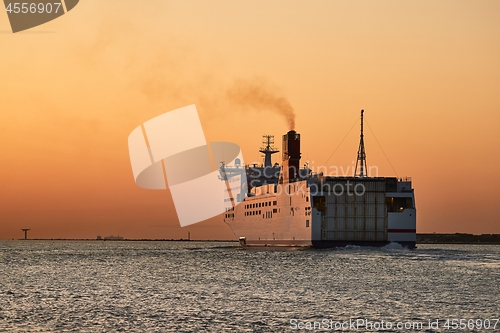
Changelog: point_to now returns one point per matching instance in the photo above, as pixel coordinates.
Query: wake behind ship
(289, 206)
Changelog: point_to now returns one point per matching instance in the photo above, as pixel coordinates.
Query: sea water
(132, 286)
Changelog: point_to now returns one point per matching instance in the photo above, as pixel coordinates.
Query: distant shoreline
(434, 238)
(458, 238)
(126, 240)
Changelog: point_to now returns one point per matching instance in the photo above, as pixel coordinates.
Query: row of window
(252, 213)
(268, 214)
(261, 204)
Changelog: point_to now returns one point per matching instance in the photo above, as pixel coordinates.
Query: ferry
(289, 206)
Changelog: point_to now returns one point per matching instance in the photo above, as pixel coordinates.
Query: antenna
(361, 154)
(268, 149)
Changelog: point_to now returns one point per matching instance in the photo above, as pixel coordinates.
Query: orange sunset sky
(426, 72)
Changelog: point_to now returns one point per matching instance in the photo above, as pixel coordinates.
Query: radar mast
(268, 149)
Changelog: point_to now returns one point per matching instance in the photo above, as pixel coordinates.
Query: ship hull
(323, 244)
(333, 244)
(290, 215)
(276, 243)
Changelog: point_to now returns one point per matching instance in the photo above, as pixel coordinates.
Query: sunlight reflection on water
(210, 286)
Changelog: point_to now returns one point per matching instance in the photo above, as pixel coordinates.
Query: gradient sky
(426, 72)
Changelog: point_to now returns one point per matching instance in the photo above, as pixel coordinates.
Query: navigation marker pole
(25, 233)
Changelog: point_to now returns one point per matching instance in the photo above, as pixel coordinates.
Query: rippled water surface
(130, 286)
